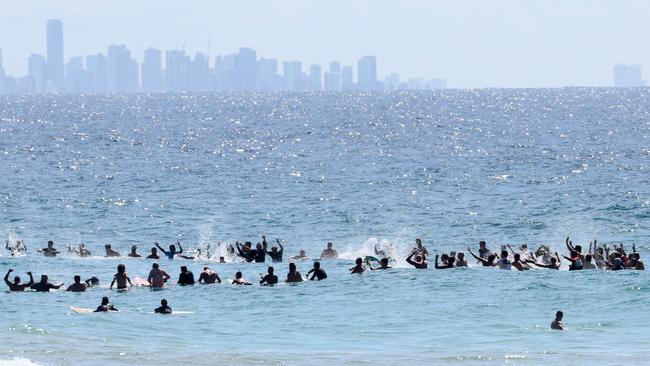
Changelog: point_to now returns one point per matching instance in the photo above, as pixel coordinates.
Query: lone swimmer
(557, 323)
(121, 278)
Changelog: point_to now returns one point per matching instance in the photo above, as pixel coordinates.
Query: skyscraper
(199, 73)
(55, 54)
(347, 78)
(627, 76)
(177, 65)
(152, 81)
(292, 71)
(367, 73)
(246, 69)
(37, 69)
(122, 70)
(267, 75)
(333, 77)
(315, 78)
(75, 76)
(97, 69)
(391, 82)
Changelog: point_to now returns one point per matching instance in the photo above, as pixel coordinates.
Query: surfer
(318, 272)
(110, 252)
(358, 267)
(163, 308)
(50, 251)
(44, 285)
(246, 251)
(77, 286)
(460, 260)
(302, 256)
(447, 262)
(383, 264)
(106, 306)
(486, 262)
(420, 249)
(503, 262)
(154, 254)
(121, 278)
(483, 250)
(239, 279)
(556, 324)
(329, 252)
(270, 278)
(134, 252)
(209, 276)
(186, 277)
(575, 260)
(17, 248)
(417, 260)
(275, 253)
(172, 251)
(92, 281)
(553, 264)
(157, 277)
(17, 285)
(293, 275)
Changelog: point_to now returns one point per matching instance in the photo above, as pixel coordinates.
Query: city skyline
(501, 43)
(118, 71)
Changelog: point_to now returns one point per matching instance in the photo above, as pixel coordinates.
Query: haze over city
(503, 43)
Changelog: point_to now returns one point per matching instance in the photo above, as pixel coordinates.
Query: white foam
(18, 362)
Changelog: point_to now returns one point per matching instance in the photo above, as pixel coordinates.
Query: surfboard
(139, 281)
(179, 312)
(229, 281)
(81, 310)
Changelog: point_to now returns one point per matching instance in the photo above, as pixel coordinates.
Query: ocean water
(452, 167)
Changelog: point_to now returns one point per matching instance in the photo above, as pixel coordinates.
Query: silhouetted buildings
(175, 71)
(628, 76)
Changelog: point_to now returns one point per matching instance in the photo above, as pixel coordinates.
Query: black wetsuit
(186, 278)
(318, 274)
(277, 256)
(43, 287)
(163, 310)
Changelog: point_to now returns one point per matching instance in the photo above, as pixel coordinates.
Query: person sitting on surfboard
(154, 254)
(17, 285)
(318, 272)
(50, 251)
(270, 279)
(302, 256)
(163, 308)
(157, 277)
(77, 286)
(293, 275)
(134, 252)
(329, 252)
(275, 253)
(44, 285)
(110, 252)
(418, 260)
(105, 306)
(186, 277)
(239, 279)
(359, 267)
(209, 276)
(383, 264)
(121, 278)
(172, 251)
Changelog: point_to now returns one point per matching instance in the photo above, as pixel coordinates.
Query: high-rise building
(2, 74)
(347, 78)
(152, 80)
(391, 82)
(315, 77)
(628, 76)
(332, 77)
(246, 68)
(36, 70)
(122, 70)
(268, 78)
(367, 73)
(177, 65)
(97, 70)
(292, 71)
(199, 73)
(75, 76)
(55, 54)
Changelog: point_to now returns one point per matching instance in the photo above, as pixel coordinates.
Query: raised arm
(180, 248)
(160, 248)
(510, 249)
(476, 256)
(280, 245)
(264, 243)
(31, 279)
(7, 277)
(569, 244)
(633, 247)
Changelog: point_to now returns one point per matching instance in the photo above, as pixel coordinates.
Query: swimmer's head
(384, 261)
(517, 257)
(94, 281)
(292, 267)
(482, 244)
(77, 279)
(238, 275)
(17, 280)
(316, 265)
(134, 248)
(418, 258)
(121, 268)
(578, 248)
(154, 250)
(107, 246)
(105, 300)
(50, 243)
(248, 244)
(329, 245)
(172, 248)
(359, 261)
(559, 315)
(183, 269)
(460, 256)
(155, 266)
(418, 242)
(270, 270)
(222, 259)
(302, 253)
(574, 253)
(163, 302)
(588, 258)
(274, 249)
(44, 278)
(258, 246)
(491, 258)
(504, 254)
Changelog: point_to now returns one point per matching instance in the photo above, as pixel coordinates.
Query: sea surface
(453, 167)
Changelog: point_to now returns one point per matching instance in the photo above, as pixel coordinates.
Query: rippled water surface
(452, 167)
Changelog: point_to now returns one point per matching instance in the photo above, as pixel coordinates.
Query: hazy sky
(472, 43)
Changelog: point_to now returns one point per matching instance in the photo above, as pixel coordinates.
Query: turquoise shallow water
(453, 167)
